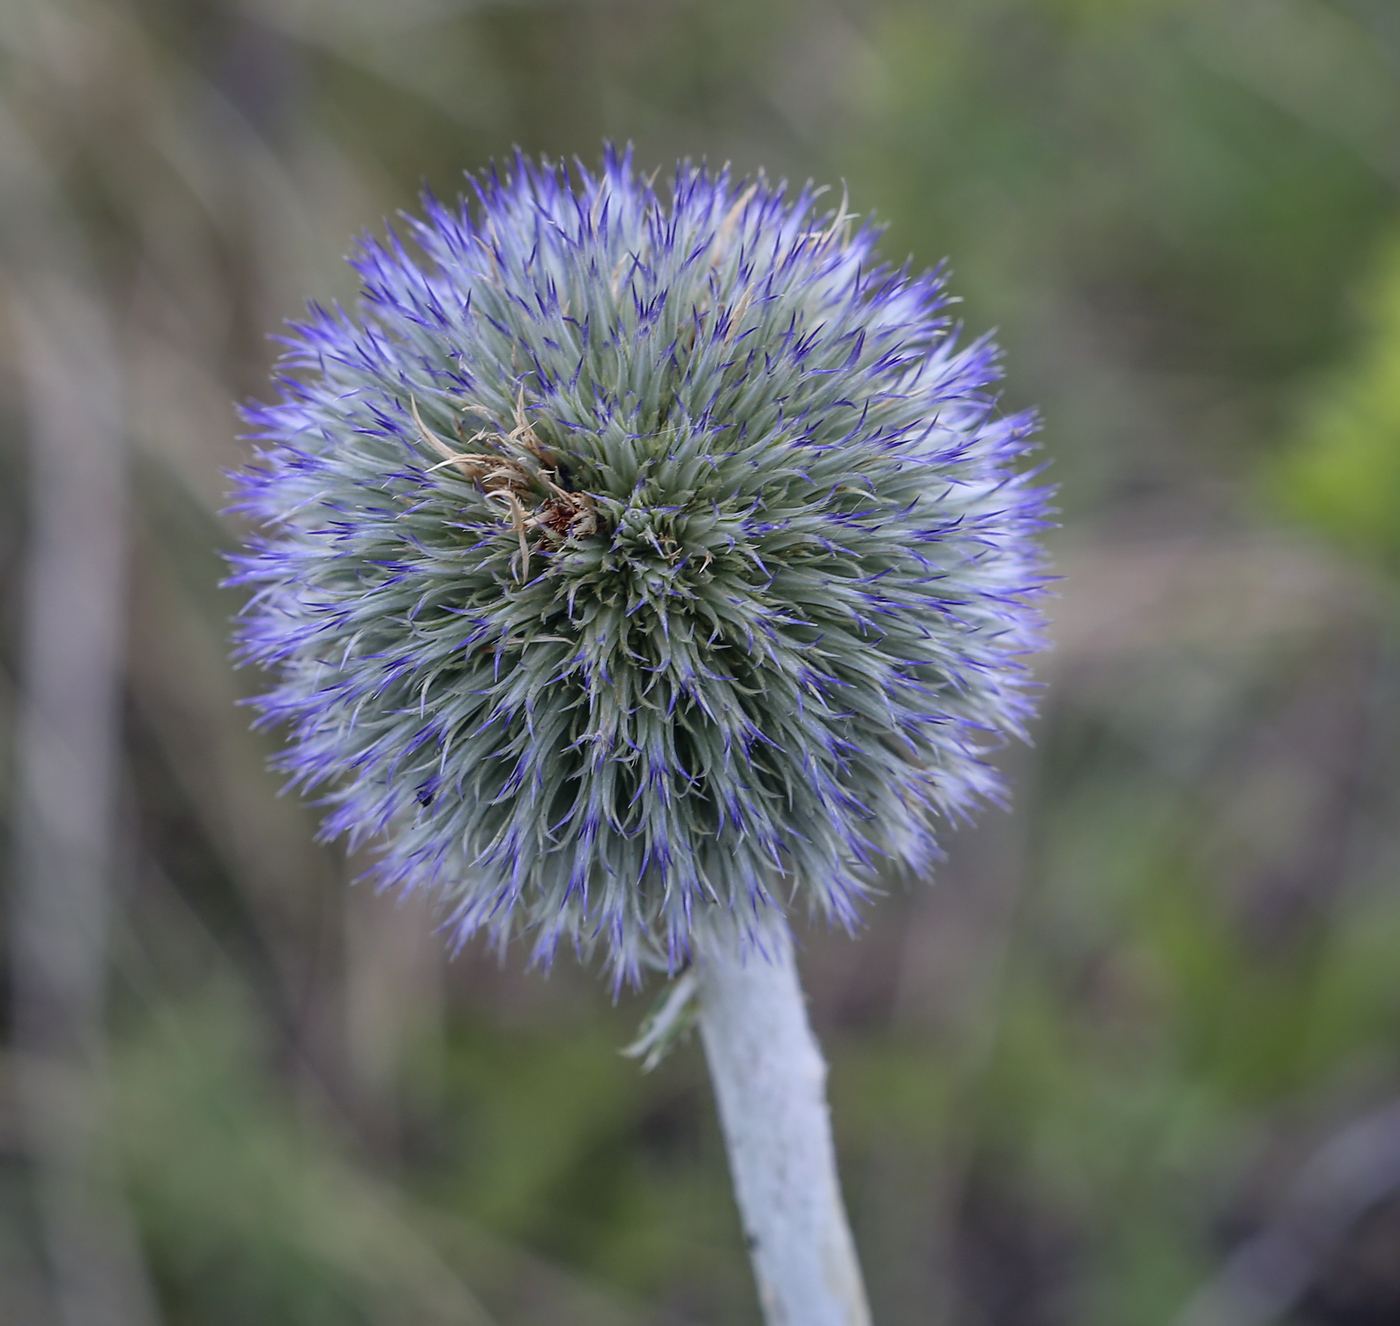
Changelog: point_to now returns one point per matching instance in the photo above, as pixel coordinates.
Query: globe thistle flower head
(636, 563)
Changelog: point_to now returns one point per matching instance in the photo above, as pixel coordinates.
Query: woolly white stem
(770, 1084)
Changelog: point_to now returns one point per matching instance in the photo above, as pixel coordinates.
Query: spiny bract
(637, 562)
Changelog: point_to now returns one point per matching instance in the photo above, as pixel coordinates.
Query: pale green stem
(770, 1085)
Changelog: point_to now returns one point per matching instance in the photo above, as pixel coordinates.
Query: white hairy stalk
(770, 1084)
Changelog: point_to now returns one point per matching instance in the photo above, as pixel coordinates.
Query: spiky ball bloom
(637, 562)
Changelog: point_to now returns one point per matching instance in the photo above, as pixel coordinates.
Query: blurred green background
(1133, 1059)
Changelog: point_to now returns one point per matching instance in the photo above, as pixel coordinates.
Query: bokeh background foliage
(1133, 1059)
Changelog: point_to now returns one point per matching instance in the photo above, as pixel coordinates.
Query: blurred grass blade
(67, 741)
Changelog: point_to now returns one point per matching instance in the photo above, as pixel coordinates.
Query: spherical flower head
(639, 563)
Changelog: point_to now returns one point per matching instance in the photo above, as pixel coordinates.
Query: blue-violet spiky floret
(637, 561)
